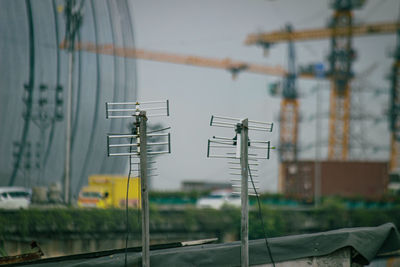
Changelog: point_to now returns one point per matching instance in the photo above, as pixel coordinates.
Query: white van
(219, 198)
(15, 197)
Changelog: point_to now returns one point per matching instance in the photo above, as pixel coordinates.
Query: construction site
(82, 80)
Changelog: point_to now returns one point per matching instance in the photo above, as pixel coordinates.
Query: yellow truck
(109, 191)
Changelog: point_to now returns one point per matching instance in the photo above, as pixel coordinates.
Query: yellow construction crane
(342, 54)
(233, 66)
(317, 34)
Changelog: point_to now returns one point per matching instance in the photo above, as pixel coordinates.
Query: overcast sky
(218, 29)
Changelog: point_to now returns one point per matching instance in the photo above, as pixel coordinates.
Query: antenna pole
(241, 143)
(145, 193)
(243, 130)
(137, 110)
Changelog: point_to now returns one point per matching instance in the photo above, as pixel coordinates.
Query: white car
(217, 199)
(15, 197)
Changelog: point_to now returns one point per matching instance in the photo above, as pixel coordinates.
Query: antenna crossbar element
(122, 145)
(122, 110)
(237, 168)
(132, 109)
(219, 146)
(229, 122)
(123, 154)
(120, 148)
(120, 116)
(158, 152)
(231, 143)
(247, 154)
(222, 138)
(239, 186)
(239, 193)
(253, 175)
(238, 163)
(138, 103)
(110, 136)
(238, 180)
(221, 156)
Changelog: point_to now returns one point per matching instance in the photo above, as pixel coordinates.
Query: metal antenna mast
(241, 143)
(140, 149)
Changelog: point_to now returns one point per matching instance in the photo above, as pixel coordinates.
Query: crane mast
(289, 115)
(341, 58)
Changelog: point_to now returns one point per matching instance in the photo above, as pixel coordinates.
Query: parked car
(15, 197)
(218, 199)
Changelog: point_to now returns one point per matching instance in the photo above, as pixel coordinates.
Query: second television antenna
(237, 148)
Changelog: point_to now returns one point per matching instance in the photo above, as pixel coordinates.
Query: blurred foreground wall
(33, 68)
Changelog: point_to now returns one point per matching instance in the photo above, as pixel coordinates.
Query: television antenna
(135, 145)
(240, 151)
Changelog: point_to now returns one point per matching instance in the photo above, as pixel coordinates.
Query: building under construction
(338, 176)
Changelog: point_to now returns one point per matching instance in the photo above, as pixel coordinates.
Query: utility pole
(141, 150)
(73, 15)
(241, 143)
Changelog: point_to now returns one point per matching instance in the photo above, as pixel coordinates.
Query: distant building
(341, 178)
(188, 186)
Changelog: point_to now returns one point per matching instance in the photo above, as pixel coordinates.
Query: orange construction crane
(317, 34)
(342, 55)
(233, 66)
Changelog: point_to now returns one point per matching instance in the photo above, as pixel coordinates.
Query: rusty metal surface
(340, 178)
